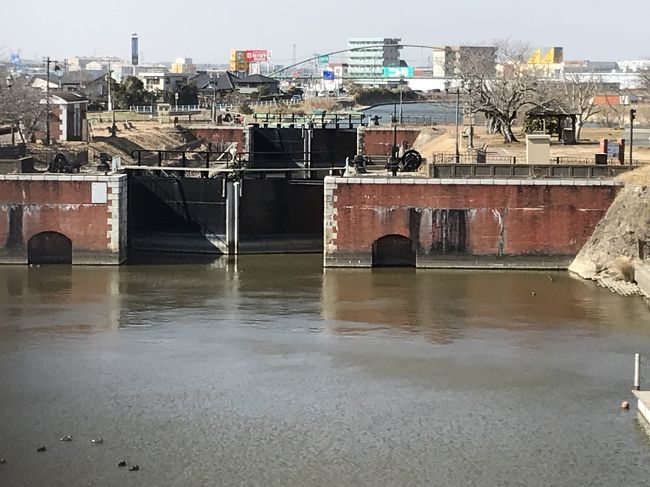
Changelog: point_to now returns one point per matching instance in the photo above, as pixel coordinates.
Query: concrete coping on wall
(333, 180)
(112, 178)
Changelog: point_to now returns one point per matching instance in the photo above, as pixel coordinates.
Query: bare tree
(612, 113)
(579, 95)
(644, 80)
(21, 103)
(501, 95)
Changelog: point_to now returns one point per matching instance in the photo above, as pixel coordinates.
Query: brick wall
(518, 223)
(378, 141)
(222, 135)
(31, 204)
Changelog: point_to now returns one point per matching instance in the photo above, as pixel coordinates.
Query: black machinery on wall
(61, 164)
(410, 161)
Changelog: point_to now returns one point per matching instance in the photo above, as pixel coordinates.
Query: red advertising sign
(257, 56)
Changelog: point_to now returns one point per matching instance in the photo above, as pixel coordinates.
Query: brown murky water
(272, 371)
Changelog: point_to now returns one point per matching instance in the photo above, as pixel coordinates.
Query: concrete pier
(461, 222)
(63, 218)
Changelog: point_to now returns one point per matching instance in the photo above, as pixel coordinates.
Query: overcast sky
(206, 30)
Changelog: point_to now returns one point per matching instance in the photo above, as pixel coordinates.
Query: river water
(270, 371)
(441, 112)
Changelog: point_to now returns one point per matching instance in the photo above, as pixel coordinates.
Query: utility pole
(108, 82)
(10, 83)
(457, 125)
(457, 93)
(213, 107)
(110, 98)
(632, 118)
(48, 61)
(401, 85)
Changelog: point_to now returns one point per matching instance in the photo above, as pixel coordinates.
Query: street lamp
(401, 84)
(111, 108)
(473, 85)
(10, 83)
(213, 107)
(176, 99)
(48, 61)
(457, 93)
(632, 118)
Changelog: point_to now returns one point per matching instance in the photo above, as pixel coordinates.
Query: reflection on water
(267, 370)
(443, 305)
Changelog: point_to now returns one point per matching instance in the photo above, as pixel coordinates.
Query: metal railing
(181, 158)
(481, 157)
(476, 158)
(144, 109)
(298, 157)
(526, 171)
(185, 108)
(324, 119)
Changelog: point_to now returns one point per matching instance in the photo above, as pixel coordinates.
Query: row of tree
(131, 92)
(502, 96)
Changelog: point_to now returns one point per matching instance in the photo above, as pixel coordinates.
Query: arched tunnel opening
(49, 248)
(393, 251)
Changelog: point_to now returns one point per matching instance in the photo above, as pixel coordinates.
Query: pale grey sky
(206, 30)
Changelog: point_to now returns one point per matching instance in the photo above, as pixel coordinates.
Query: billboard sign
(328, 75)
(547, 55)
(398, 72)
(257, 56)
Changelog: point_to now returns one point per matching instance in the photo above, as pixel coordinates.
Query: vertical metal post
(637, 372)
(47, 103)
(237, 193)
(401, 119)
(632, 116)
(232, 217)
(229, 236)
(457, 124)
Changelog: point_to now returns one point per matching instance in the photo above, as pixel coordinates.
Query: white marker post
(637, 372)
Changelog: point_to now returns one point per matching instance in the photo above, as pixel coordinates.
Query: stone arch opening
(393, 251)
(49, 248)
